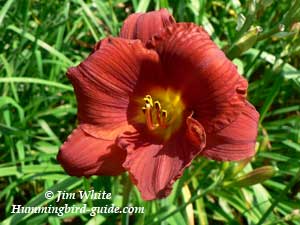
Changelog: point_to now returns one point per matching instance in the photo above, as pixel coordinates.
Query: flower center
(160, 114)
(161, 110)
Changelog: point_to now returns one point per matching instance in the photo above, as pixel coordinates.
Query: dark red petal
(106, 131)
(84, 155)
(209, 82)
(154, 167)
(144, 25)
(237, 141)
(104, 82)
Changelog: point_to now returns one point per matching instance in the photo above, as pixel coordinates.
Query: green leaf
(143, 6)
(9, 101)
(35, 81)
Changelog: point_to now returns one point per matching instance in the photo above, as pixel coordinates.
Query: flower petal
(144, 25)
(154, 167)
(195, 133)
(104, 82)
(209, 82)
(237, 141)
(84, 155)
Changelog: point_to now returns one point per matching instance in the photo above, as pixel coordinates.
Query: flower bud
(256, 176)
(295, 27)
(265, 3)
(245, 42)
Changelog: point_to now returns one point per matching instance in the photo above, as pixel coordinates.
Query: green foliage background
(39, 40)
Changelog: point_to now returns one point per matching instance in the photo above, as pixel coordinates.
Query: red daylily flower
(152, 100)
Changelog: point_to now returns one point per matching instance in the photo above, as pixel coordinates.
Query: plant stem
(87, 187)
(126, 198)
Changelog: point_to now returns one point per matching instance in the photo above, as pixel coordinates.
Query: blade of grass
(7, 100)
(191, 200)
(9, 71)
(42, 44)
(35, 81)
(292, 182)
(40, 200)
(4, 10)
(271, 96)
(143, 6)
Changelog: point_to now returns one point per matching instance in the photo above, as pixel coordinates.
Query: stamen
(158, 110)
(164, 115)
(148, 115)
(148, 100)
(161, 115)
(157, 105)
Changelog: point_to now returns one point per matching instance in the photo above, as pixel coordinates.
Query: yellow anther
(148, 100)
(157, 105)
